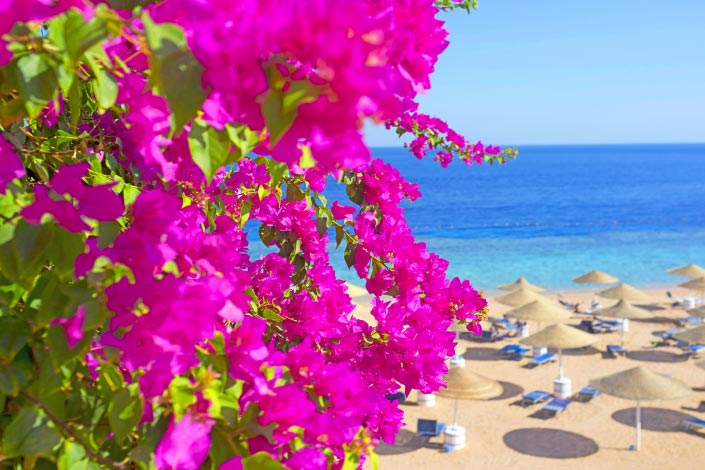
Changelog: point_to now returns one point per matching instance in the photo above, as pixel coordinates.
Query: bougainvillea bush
(141, 142)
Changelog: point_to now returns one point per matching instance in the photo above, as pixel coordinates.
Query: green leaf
(29, 434)
(175, 71)
(209, 147)
(107, 233)
(349, 254)
(261, 461)
(267, 234)
(182, 395)
(307, 160)
(80, 36)
(64, 249)
(124, 412)
(243, 138)
(37, 82)
(339, 234)
(73, 457)
(105, 89)
(23, 257)
(16, 375)
(14, 334)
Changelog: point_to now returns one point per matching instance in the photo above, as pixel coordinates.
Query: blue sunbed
(588, 393)
(514, 351)
(696, 349)
(693, 423)
(531, 398)
(428, 428)
(542, 359)
(690, 320)
(555, 406)
(615, 349)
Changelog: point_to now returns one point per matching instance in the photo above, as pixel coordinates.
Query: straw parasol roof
(641, 384)
(463, 384)
(518, 297)
(521, 282)
(560, 336)
(697, 312)
(624, 291)
(695, 284)
(689, 270)
(694, 335)
(596, 277)
(355, 291)
(541, 309)
(623, 309)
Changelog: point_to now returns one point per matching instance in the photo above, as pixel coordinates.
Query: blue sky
(568, 71)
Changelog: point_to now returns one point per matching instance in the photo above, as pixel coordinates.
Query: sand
(593, 435)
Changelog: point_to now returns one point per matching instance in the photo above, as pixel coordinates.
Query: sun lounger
(587, 393)
(514, 351)
(531, 398)
(555, 406)
(693, 423)
(504, 323)
(684, 321)
(428, 428)
(615, 349)
(593, 326)
(542, 359)
(696, 349)
(400, 397)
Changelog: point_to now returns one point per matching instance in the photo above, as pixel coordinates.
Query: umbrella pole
(455, 414)
(638, 425)
(560, 364)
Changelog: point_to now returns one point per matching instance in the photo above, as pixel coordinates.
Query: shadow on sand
(652, 419)
(482, 354)
(510, 390)
(550, 443)
(586, 351)
(657, 356)
(405, 442)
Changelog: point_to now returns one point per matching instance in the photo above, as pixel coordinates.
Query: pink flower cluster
(360, 59)
(432, 132)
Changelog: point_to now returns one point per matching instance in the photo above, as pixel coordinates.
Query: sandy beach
(596, 434)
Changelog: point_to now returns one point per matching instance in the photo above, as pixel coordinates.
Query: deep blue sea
(559, 211)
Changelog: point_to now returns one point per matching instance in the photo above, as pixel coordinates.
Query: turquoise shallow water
(559, 211)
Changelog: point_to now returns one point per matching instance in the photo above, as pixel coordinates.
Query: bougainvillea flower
(10, 164)
(73, 326)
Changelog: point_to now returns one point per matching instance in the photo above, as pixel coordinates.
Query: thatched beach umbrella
(596, 277)
(518, 297)
(624, 310)
(693, 336)
(560, 337)
(689, 270)
(697, 312)
(463, 384)
(521, 282)
(540, 310)
(640, 384)
(624, 291)
(694, 284)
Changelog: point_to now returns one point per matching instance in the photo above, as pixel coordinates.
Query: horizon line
(572, 144)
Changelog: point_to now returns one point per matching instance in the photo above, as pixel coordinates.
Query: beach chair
(399, 397)
(587, 393)
(555, 406)
(676, 302)
(696, 349)
(592, 327)
(514, 351)
(504, 323)
(428, 428)
(531, 398)
(685, 321)
(542, 359)
(615, 349)
(693, 424)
